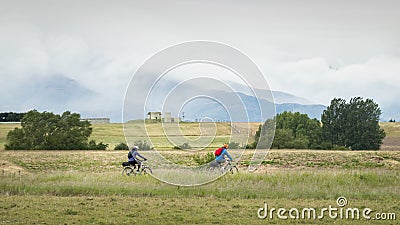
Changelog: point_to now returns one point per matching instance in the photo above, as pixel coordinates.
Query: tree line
(344, 125)
(11, 117)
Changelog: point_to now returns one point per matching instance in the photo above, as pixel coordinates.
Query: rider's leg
(226, 163)
(138, 166)
(222, 165)
(132, 163)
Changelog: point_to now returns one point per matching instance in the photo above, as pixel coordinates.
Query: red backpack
(218, 152)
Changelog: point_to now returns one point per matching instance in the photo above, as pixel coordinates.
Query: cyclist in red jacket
(221, 158)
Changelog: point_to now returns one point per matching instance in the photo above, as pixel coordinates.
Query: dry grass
(391, 144)
(86, 187)
(391, 129)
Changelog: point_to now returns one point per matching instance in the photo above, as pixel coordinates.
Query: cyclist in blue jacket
(132, 157)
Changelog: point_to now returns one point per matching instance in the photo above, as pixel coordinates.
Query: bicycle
(131, 170)
(214, 166)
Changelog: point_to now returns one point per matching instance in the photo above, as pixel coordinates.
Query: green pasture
(82, 187)
(86, 187)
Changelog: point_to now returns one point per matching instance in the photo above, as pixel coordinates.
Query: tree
(354, 125)
(265, 135)
(333, 120)
(292, 130)
(282, 138)
(48, 131)
(306, 132)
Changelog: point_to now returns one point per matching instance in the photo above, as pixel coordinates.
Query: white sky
(314, 49)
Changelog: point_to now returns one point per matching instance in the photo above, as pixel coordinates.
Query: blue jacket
(135, 153)
(223, 154)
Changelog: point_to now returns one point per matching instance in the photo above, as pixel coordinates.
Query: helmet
(135, 148)
(225, 145)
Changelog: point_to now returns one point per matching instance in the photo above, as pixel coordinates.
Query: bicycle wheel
(127, 171)
(147, 170)
(233, 170)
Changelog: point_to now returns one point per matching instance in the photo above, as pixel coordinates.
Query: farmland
(86, 187)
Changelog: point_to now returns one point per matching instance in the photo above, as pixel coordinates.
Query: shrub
(121, 146)
(143, 145)
(183, 146)
(201, 160)
(251, 145)
(338, 147)
(234, 145)
(93, 146)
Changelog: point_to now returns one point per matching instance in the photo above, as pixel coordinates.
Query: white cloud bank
(317, 50)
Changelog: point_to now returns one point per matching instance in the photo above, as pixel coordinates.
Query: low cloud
(332, 50)
(315, 79)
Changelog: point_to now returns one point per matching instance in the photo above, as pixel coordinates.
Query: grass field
(86, 187)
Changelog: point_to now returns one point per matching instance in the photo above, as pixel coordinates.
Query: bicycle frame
(131, 169)
(224, 167)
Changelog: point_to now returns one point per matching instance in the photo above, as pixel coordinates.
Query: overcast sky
(314, 49)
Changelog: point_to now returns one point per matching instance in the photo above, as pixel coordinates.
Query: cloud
(315, 79)
(317, 50)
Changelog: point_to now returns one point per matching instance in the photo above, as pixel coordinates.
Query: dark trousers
(133, 163)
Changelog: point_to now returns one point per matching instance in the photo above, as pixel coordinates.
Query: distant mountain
(313, 111)
(238, 112)
(283, 98)
(58, 90)
(56, 93)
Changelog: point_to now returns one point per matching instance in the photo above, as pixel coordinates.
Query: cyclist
(132, 157)
(221, 157)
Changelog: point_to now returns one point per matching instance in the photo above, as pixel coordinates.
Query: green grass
(111, 134)
(155, 210)
(354, 184)
(109, 198)
(86, 187)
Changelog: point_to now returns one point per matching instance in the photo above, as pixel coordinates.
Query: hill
(392, 139)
